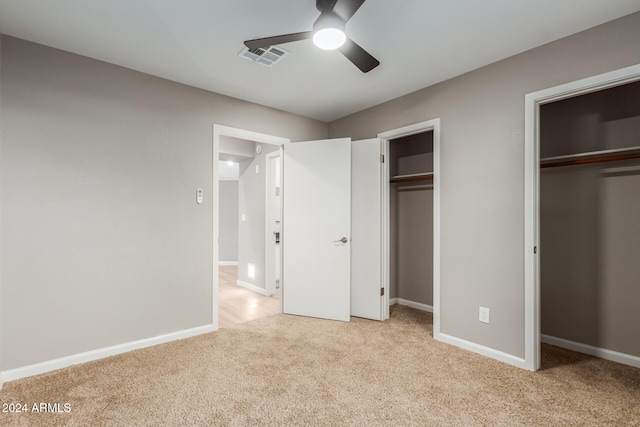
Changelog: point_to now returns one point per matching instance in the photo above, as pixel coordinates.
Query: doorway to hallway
(241, 289)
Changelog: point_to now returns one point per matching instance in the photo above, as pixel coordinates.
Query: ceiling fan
(328, 33)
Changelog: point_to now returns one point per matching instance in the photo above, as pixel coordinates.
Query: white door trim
(533, 101)
(218, 131)
(270, 258)
(437, 182)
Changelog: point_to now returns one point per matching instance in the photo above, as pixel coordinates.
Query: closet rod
(416, 187)
(414, 178)
(599, 159)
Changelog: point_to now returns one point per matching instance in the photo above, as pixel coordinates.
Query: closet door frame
(532, 248)
(385, 137)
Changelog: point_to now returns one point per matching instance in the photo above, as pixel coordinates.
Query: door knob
(343, 240)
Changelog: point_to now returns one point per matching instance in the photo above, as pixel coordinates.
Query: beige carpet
(286, 370)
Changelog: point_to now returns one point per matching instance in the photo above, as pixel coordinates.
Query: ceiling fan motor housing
(329, 19)
(325, 5)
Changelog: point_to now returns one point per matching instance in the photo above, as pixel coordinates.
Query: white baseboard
(480, 349)
(89, 356)
(227, 262)
(467, 345)
(251, 287)
(603, 353)
(412, 304)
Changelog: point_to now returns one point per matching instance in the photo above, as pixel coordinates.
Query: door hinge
(381, 291)
(535, 249)
(381, 158)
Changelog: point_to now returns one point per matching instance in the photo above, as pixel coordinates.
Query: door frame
(218, 131)
(533, 101)
(269, 256)
(385, 137)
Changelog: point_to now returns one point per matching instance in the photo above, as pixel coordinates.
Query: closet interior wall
(589, 228)
(411, 219)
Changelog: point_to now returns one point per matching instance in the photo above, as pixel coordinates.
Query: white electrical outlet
(484, 315)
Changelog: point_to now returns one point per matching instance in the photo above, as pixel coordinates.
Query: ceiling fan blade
(345, 9)
(272, 41)
(360, 57)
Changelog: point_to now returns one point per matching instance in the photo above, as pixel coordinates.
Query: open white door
(366, 229)
(317, 229)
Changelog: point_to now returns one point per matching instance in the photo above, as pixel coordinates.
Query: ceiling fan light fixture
(329, 38)
(329, 31)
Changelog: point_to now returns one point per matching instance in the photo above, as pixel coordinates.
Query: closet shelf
(591, 157)
(413, 177)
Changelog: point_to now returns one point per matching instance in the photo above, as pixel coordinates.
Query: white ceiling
(196, 42)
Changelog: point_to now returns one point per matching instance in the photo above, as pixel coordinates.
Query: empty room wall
(102, 240)
(481, 171)
(228, 246)
(235, 150)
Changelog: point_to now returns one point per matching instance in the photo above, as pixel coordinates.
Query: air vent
(267, 57)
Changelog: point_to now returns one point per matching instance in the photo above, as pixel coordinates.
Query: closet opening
(411, 220)
(589, 205)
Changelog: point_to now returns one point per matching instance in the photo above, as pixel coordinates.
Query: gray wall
(589, 247)
(236, 149)
(589, 229)
(228, 246)
(102, 240)
(252, 189)
(1, 151)
(414, 251)
(411, 154)
(604, 120)
(482, 181)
